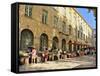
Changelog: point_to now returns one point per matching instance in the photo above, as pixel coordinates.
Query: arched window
(43, 42)
(26, 39)
(55, 43)
(64, 27)
(63, 45)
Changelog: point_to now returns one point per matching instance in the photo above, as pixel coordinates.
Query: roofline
(82, 18)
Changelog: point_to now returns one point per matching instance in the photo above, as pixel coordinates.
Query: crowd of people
(33, 56)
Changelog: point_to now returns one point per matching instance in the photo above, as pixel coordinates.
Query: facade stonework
(63, 28)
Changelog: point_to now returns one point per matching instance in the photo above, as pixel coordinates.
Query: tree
(92, 9)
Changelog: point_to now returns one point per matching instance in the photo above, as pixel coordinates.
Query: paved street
(68, 63)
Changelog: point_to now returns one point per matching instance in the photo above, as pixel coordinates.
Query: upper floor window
(44, 17)
(55, 20)
(78, 34)
(28, 10)
(64, 27)
(74, 17)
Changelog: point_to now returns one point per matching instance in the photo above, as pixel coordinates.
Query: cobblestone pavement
(68, 63)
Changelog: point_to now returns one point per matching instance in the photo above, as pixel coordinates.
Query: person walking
(34, 56)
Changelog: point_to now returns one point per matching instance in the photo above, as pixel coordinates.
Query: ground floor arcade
(42, 41)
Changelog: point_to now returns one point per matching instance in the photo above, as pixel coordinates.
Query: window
(78, 34)
(76, 31)
(55, 20)
(44, 17)
(28, 10)
(63, 27)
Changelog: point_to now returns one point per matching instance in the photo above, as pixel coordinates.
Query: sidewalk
(67, 63)
(48, 65)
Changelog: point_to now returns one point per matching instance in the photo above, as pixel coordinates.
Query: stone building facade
(94, 38)
(53, 28)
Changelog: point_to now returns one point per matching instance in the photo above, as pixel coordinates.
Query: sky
(88, 16)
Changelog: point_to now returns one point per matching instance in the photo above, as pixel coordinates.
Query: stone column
(60, 43)
(72, 47)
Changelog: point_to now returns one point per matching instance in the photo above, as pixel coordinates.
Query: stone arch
(26, 40)
(43, 41)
